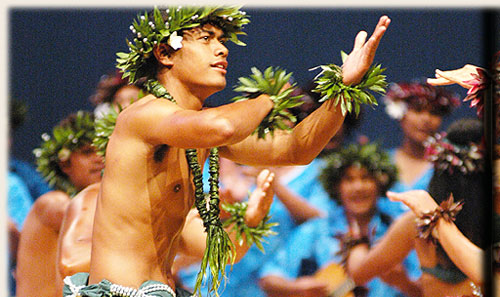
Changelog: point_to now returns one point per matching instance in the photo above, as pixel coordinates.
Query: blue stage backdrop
(58, 55)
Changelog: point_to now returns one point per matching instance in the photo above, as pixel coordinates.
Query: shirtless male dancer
(69, 164)
(147, 191)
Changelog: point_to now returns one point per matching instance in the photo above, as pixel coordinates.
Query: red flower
(476, 93)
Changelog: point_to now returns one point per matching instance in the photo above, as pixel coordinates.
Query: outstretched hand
(362, 54)
(419, 201)
(458, 76)
(261, 198)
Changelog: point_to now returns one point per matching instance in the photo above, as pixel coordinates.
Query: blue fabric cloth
(395, 209)
(36, 184)
(244, 276)
(19, 200)
(315, 240)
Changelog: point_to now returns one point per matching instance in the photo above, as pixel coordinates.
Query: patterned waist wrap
(77, 286)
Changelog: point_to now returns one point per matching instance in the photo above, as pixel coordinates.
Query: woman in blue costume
(458, 176)
(419, 108)
(354, 177)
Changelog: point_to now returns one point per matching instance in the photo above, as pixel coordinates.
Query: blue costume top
(19, 200)
(314, 244)
(36, 184)
(395, 209)
(244, 276)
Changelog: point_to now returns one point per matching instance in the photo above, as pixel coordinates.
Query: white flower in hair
(101, 110)
(395, 109)
(64, 154)
(175, 41)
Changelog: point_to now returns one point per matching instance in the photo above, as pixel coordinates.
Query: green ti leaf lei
(219, 250)
(271, 82)
(152, 29)
(251, 234)
(331, 87)
(66, 138)
(219, 247)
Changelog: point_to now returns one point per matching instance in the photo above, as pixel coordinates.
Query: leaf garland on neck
(219, 247)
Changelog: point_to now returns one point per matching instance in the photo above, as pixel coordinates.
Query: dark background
(57, 55)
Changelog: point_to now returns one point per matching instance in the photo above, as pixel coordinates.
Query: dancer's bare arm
(50, 208)
(364, 263)
(13, 237)
(75, 238)
(305, 286)
(193, 237)
(309, 137)
(163, 122)
(466, 255)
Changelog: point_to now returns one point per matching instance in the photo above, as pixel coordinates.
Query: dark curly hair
(369, 156)
(469, 187)
(108, 85)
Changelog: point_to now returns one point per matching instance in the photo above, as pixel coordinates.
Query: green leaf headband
(369, 156)
(73, 133)
(164, 26)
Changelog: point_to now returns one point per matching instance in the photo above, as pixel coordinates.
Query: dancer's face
(418, 125)
(125, 95)
(84, 167)
(358, 191)
(201, 63)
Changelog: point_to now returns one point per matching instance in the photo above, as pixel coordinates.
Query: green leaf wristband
(243, 231)
(271, 82)
(330, 86)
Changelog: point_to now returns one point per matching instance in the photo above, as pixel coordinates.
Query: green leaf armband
(271, 82)
(243, 231)
(330, 86)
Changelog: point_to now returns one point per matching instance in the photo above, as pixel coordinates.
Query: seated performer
(355, 177)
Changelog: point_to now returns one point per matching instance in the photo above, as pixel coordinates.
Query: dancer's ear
(163, 55)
